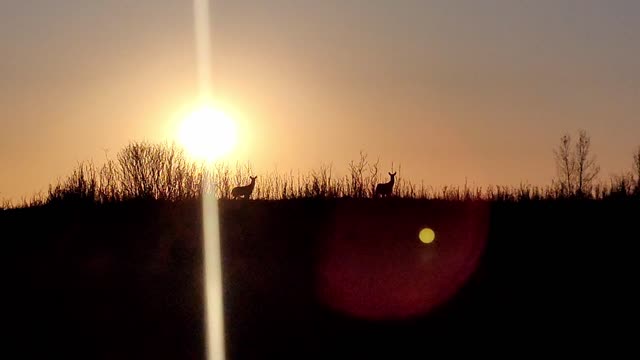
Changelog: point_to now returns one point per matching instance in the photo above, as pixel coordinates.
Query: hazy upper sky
(449, 89)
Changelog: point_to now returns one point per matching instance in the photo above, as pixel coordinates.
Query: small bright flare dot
(427, 235)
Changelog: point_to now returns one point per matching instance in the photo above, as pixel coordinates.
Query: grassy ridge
(163, 172)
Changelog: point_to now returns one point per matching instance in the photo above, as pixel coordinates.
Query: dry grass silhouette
(163, 172)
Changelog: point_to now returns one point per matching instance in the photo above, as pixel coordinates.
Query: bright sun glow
(207, 134)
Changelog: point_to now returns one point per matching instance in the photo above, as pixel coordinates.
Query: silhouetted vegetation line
(149, 171)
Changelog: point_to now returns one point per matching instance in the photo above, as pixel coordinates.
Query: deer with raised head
(244, 191)
(385, 189)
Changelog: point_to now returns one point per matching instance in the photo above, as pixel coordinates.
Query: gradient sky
(449, 89)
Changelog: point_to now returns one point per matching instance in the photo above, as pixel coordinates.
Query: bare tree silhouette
(586, 167)
(565, 165)
(577, 168)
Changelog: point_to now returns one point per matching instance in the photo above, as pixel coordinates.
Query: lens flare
(370, 266)
(215, 349)
(427, 235)
(212, 275)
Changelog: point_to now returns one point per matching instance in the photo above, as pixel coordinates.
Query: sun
(207, 134)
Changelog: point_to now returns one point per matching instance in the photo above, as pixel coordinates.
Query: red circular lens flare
(372, 266)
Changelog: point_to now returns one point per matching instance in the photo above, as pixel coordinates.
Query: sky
(450, 90)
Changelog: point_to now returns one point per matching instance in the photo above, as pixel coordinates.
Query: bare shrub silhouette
(565, 164)
(636, 170)
(80, 186)
(157, 171)
(586, 167)
(358, 182)
(621, 186)
(626, 184)
(141, 171)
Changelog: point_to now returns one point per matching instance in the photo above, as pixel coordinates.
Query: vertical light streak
(211, 229)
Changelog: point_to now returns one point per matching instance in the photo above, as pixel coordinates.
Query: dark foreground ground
(323, 279)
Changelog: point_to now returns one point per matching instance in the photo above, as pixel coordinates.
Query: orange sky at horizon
(450, 91)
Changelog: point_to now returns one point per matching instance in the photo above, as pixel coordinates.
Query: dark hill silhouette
(125, 279)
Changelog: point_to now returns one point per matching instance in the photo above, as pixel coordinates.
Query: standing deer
(385, 189)
(244, 191)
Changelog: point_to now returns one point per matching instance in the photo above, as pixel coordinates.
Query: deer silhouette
(244, 191)
(385, 189)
